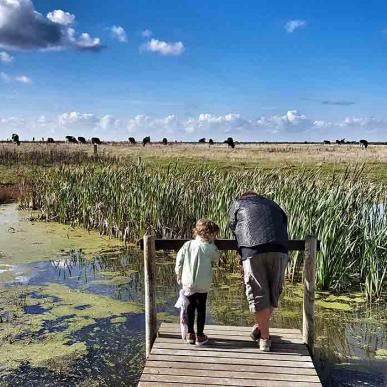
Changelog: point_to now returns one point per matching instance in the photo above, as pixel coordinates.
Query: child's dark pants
(197, 301)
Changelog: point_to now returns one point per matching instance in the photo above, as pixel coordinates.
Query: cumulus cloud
(293, 25)
(119, 33)
(23, 28)
(165, 48)
(5, 57)
(289, 126)
(61, 17)
(9, 78)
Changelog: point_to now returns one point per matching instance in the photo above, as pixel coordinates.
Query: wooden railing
(150, 244)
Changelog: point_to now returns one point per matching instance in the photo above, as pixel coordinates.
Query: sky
(255, 70)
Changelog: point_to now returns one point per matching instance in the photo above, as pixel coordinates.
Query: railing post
(150, 291)
(309, 290)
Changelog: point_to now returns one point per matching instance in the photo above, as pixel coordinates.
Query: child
(194, 272)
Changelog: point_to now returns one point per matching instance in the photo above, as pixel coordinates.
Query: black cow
(15, 138)
(165, 141)
(363, 143)
(211, 141)
(339, 142)
(96, 141)
(327, 142)
(146, 140)
(82, 140)
(50, 140)
(132, 140)
(202, 141)
(71, 140)
(230, 142)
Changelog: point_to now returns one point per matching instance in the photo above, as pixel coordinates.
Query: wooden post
(309, 290)
(139, 161)
(150, 291)
(95, 149)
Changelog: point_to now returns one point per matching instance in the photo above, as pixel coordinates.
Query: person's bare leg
(262, 318)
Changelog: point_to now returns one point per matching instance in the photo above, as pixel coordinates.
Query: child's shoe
(200, 340)
(255, 333)
(264, 345)
(190, 338)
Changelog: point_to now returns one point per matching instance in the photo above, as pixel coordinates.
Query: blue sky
(255, 70)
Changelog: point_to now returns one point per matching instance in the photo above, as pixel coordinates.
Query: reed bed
(346, 213)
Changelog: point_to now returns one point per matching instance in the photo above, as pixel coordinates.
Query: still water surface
(74, 317)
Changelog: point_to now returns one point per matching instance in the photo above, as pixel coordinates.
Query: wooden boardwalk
(230, 358)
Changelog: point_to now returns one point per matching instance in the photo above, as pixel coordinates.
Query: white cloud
(293, 25)
(61, 17)
(146, 33)
(20, 78)
(119, 33)
(23, 79)
(85, 41)
(165, 48)
(23, 28)
(5, 57)
(290, 126)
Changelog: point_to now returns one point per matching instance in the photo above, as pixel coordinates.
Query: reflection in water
(346, 345)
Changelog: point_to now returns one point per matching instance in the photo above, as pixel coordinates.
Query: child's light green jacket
(194, 264)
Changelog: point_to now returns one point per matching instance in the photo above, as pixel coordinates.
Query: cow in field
(15, 138)
(132, 140)
(146, 140)
(326, 142)
(71, 140)
(339, 142)
(202, 141)
(211, 141)
(165, 141)
(50, 140)
(363, 143)
(96, 141)
(82, 140)
(230, 142)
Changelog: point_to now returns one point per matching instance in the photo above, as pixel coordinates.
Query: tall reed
(123, 200)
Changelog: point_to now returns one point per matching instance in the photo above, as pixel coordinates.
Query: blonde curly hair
(206, 229)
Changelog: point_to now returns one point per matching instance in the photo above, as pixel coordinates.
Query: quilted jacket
(256, 220)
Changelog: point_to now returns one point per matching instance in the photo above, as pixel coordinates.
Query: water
(75, 317)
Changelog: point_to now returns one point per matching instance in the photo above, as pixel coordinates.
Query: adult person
(260, 228)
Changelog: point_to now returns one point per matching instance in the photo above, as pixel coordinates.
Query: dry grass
(220, 152)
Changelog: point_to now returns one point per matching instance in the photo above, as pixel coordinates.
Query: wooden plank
(231, 367)
(224, 347)
(202, 372)
(273, 359)
(206, 381)
(236, 328)
(232, 335)
(253, 361)
(222, 244)
(239, 339)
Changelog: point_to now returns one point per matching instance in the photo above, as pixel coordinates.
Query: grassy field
(329, 159)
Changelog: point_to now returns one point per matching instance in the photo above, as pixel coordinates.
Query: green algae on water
(25, 241)
(45, 339)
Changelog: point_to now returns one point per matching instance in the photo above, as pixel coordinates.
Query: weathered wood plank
(214, 346)
(202, 372)
(227, 335)
(237, 328)
(222, 244)
(279, 360)
(206, 381)
(231, 367)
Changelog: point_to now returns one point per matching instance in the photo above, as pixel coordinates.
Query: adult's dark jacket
(259, 223)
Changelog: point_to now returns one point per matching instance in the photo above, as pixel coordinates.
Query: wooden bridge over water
(230, 358)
